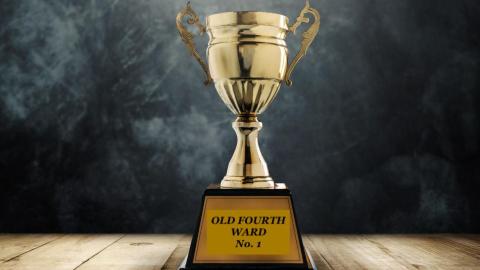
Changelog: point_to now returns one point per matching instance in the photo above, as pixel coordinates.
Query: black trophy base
(215, 198)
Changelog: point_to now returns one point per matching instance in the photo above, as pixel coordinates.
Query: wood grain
(165, 252)
(429, 252)
(318, 258)
(398, 251)
(135, 252)
(66, 252)
(12, 245)
(354, 252)
(178, 255)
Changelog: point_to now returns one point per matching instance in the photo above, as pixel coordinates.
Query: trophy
(248, 221)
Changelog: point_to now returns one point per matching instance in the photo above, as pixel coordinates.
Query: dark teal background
(107, 127)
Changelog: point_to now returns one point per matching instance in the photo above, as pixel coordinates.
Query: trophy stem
(247, 168)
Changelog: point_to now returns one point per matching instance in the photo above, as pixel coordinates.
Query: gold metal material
(248, 60)
(307, 37)
(247, 57)
(233, 203)
(247, 96)
(187, 37)
(247, 168)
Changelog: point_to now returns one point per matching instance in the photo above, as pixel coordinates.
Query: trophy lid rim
(247, 18)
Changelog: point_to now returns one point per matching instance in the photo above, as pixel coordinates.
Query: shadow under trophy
(248, 221)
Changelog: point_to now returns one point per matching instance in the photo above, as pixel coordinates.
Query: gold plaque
(248, 220)
(248, 232)
(242, 228)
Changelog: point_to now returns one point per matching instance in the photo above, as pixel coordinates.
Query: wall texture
(107, 127)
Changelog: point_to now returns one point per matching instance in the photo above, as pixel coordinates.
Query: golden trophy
(248, 221)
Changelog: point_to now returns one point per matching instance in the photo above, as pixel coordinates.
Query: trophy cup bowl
(247, 61)
(241, 44)
(247, 58)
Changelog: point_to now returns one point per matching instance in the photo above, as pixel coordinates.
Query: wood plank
(135, 252)
(165, 252)
(469, 244)
(64, 253)
(355, 252)
(12, 245)
(427, 251)
(178, 255)
(318, 259)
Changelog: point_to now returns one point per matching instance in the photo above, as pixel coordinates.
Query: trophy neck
(247, 168)
(247, 118)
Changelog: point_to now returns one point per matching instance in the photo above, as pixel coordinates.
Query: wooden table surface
(114, 251)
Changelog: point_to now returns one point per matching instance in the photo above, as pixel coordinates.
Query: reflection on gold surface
(247, 60)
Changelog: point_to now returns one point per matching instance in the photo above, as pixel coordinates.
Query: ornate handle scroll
(187, 37)
(307, 37)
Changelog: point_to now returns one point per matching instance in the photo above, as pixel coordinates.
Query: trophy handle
(187, 37)
(307, 37)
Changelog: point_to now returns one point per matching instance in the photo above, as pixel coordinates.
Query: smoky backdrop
(107, 127)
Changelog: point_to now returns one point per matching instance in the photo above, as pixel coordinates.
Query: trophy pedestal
(247, 229)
